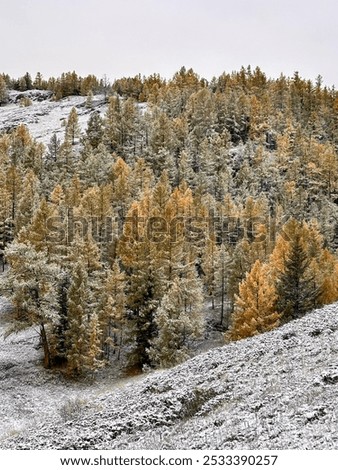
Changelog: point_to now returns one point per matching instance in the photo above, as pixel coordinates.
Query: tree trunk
(46, 351)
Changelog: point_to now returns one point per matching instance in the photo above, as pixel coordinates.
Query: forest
(183, 195)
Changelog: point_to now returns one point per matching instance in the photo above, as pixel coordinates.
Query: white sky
(125, 37)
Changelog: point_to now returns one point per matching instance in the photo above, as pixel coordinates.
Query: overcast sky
(126, 37)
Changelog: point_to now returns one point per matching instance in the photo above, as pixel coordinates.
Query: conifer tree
(28, 200)
(78, 318)
(13, 185)
(83, 337)
(128, 125)
(6, 225)
(54, 147)
(297, 288)
(31, 285)
(255, 305)
(37, 233)
(21, 143)
(89, 100)
(112, 124)
(113, 311)
(137, 254)
(72, 126)
(38, 81)
(178, 320)
(242, 260)
(94, 131)
(209, 265)
(3, 91)
(222, 284)
(120, 176)
(326, 273)
(94, 354)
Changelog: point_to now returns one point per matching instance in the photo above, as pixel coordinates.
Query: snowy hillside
(151, 225)
(45, 117)
(274, 391)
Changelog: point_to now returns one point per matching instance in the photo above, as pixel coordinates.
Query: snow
(45, 117)
(23, 381)
(273, 391)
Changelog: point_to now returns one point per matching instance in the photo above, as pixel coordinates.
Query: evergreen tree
(297, 288)
(113, 311)
(54, 147)
(77, 341)
(3, 91)
(83, 337)
(112, 124)
(178, 320)
(38, 81)
(94, 131)
(209, 266)
(32, 285)
(89, 100)
(221, 279)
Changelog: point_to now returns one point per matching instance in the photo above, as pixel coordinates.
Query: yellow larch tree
(255, 305)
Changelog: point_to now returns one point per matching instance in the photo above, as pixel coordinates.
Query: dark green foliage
(143, 328)
(94, 130)
(297, 290)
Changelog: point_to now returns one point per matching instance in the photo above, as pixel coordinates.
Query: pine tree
(77, 332)
(297, 288)
(113, 311)
(32, 287)
(209, 265)
(38, 81)
(83, 337)
(221, 279)
(89, 100)
(94, 131)
(85, 250)
(178, 320)
(93, 360)
(138, 255)
(201, 120)
(6, 224)
(3, 91)
(54, 147)
(112, 124)
(128, 125)
(94, 166)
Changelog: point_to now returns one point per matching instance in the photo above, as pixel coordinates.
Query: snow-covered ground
(45, 117)
(29, 393)
(274, 391)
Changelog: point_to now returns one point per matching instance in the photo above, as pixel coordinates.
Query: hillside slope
(274, 391)
(45, 117)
